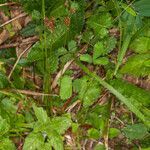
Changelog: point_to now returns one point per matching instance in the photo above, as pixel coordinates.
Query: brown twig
(9, 76)
(26, 41)
(13, 19)
(7, 4)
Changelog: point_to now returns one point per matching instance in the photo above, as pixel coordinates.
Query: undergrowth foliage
(104, 40)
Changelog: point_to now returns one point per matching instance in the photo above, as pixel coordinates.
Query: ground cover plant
(74, 74)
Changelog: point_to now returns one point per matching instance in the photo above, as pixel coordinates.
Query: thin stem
(11, 72)
(107, 124)
(47, 77)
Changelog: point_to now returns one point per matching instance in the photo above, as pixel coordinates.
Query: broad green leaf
(99, 50)
(72, 46)
(113, 132)
(143, 7)
(62, 51)
(88, 90)
(101, 61)
(41, 114)
(55, 140)
(141, 45)
(100, 23)
(29, 30)
(9, 105)
(86, 58)
(110, 44)
(91, 94)
(47, 146)
(135, 131)
(34, 141)
(94, 133)
(61, 124)
(135, 65)
(95, 120)
(66, 87)
(36, 52)
(6, 144)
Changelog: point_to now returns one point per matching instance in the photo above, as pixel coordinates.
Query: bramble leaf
(135, 131)
(66, 87)
(6, 143)
(141, 45)
(136, 65)
(86, 58)
(40, 114)
(34, 141)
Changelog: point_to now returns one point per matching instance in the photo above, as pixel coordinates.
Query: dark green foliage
(137, 65)
(29, 30)
(133, 92)
(143, 7)
(84, 105)
(136, 131)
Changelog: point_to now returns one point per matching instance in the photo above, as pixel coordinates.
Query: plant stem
(47, 78)
(107, 124)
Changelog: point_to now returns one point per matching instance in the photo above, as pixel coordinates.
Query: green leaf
(88, 90)
(86, 58)
(93, 133)
(9, 105)
(135, 65)
(100, 23)
(6, 143)
(66, 87)
(141, 45)
(41, 114)
(99, 50)
(29, 30)
(34, 141)
(136, 131)
(61, 124)
(110, 44)
(36, 52)
(101, 61)
(143, 7)
(91, 94)
(55, 140)
(113, 132)
(72, 46)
